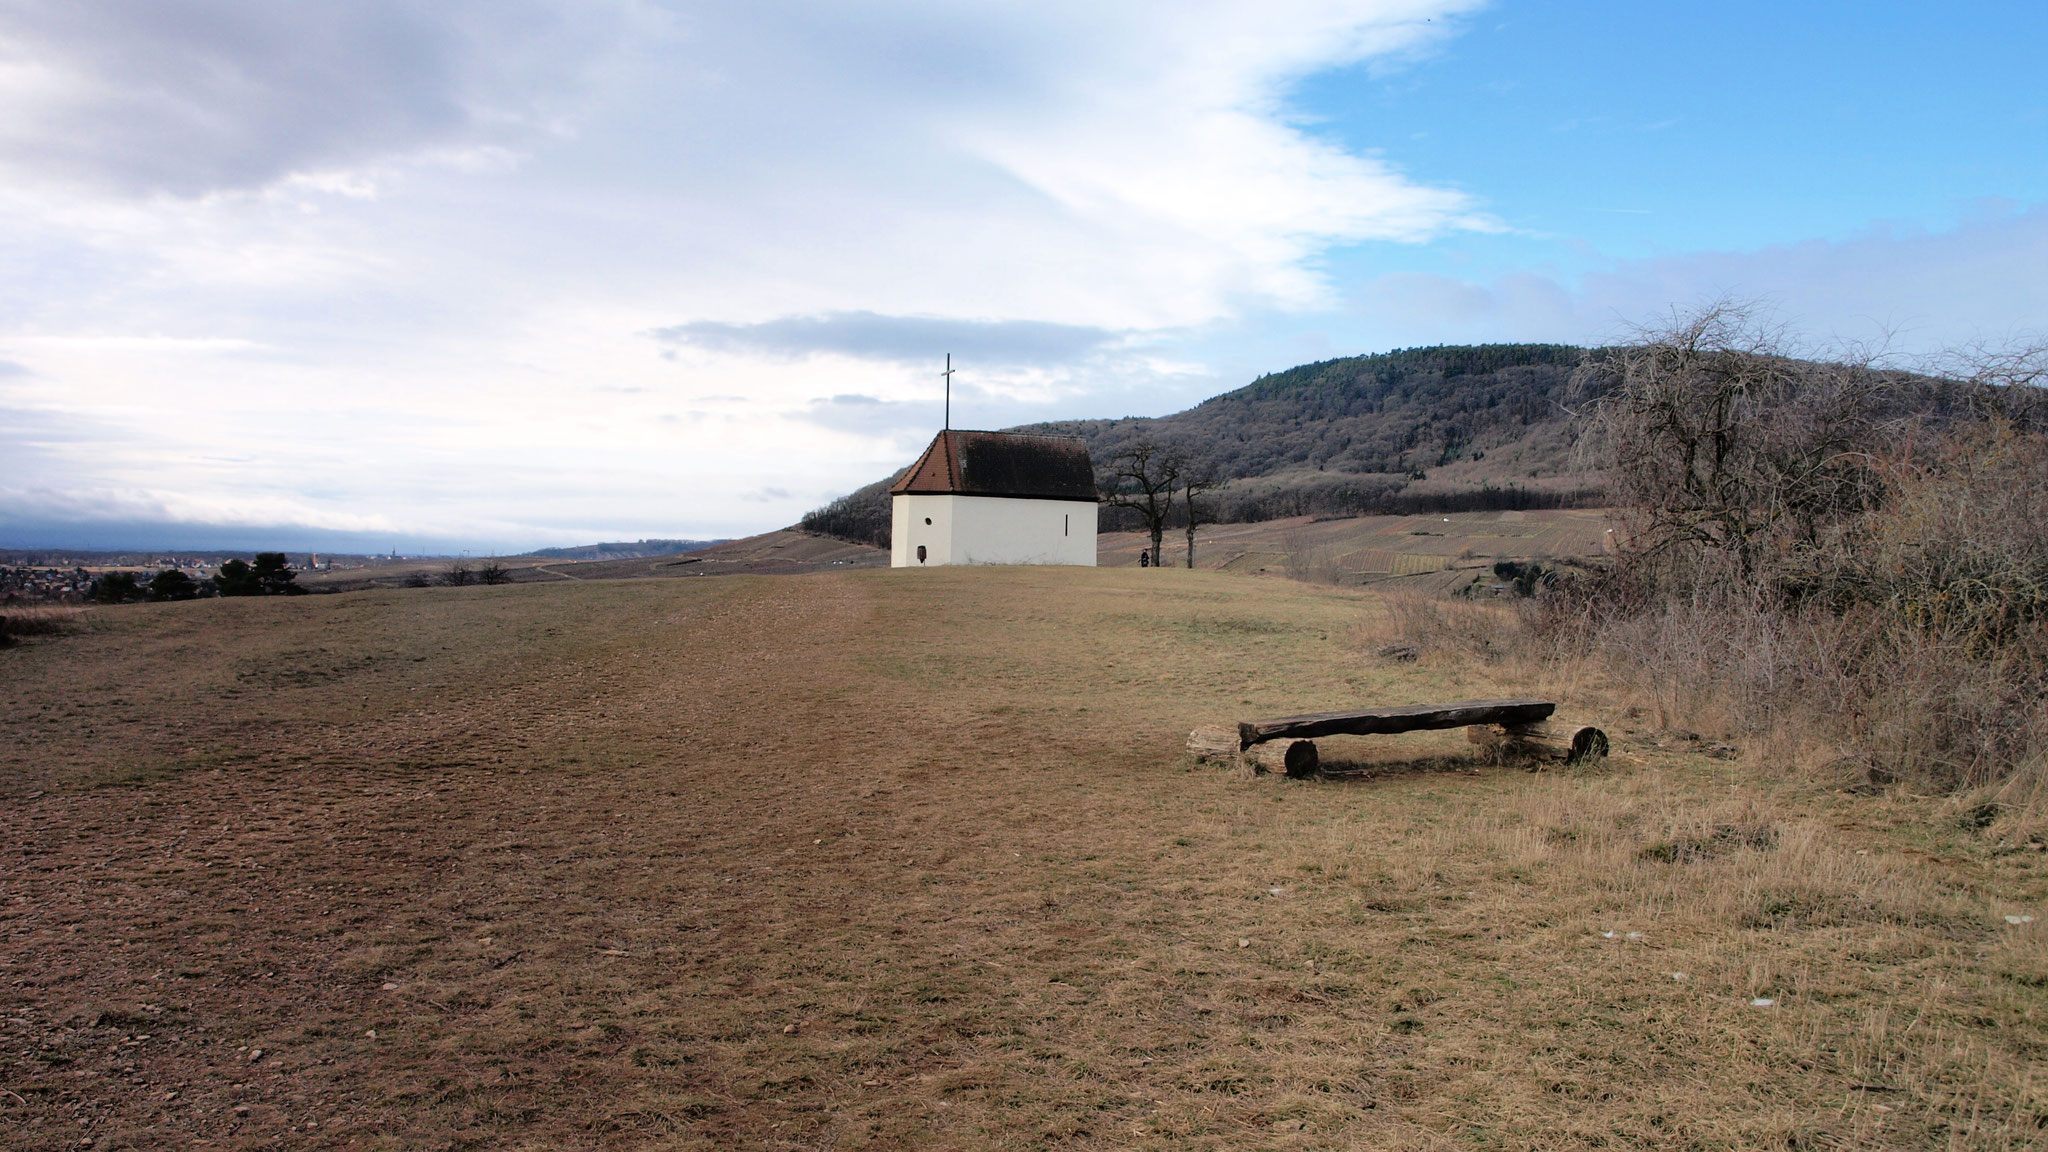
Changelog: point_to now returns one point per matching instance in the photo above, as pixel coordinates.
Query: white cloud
(207, 95)
(1918, 290)
(896, 338)
(137, 343)
(367, 262)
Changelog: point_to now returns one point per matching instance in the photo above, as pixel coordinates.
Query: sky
(488, 275)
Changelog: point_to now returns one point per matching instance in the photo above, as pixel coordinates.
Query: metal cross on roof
(948, 374)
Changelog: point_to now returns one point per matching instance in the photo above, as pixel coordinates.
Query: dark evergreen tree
(171, 584)
(236, 578)
(115, 588)
(274, 575)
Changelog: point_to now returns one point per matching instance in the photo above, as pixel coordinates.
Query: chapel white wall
(991, 530)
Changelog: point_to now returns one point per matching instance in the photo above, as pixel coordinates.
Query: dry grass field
(780, 553)
(875, 859)
(1423, 551)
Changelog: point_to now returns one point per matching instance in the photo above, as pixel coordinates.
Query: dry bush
(1309, 560)
(1416, 625)
(1947, 587)
(1794, 569)
(38, 620)
(1864, 682)
(1715, 437)
(1961, 550)
(1716, 662)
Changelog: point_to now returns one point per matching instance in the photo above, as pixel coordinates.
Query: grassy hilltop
(871, 859)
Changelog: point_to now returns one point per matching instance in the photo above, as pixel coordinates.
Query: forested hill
(1400, 413)
(1445, 428)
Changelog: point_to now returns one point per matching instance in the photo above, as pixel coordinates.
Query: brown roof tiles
(964, 463)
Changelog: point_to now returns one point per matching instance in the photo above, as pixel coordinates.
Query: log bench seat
(1521, 728)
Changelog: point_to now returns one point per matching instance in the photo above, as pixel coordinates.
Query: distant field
(780, 553)
(1353, 550)
(877, 859)
(1373, 549)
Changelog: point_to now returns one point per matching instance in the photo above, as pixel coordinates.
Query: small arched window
(920, 553)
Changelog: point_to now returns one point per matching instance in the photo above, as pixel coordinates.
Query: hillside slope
(1462, 428)
(1401, 413)
(622, 550)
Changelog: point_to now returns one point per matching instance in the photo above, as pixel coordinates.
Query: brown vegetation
(1811, 550)
(889, 860)
(22, 620)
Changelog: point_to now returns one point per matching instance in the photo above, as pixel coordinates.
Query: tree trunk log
(1297, 758)
(1215, 744)
(1548, 740)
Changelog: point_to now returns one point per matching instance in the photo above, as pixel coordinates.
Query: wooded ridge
(1348, 436)
(1443, 429)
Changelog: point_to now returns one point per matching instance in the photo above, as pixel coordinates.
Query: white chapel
(995, 498)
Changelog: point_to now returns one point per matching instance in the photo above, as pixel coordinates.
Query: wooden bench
(1518, 727)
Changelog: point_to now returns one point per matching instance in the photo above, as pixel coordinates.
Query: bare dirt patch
(880, 859)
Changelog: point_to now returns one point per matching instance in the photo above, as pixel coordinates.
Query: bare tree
(459, 575)
(1142, 477)
(494, 572)
(1197, 481)
(1715, 438)
(2011, 379)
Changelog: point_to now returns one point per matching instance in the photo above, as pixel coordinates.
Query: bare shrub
(1297, 563)
(459, 575)
(2009, 380)
(1322, 565)
(1791, 573)
(1904, 703)
(1949, 584)
(1716, 440)
(1960, 552)
(494, 572)
(38, 620)
(1431, 626)
(1310, 559)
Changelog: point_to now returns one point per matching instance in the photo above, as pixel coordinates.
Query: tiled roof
(964, 463)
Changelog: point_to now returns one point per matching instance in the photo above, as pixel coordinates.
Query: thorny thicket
(1824, 547)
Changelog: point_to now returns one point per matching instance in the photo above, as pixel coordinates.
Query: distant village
(31, 577)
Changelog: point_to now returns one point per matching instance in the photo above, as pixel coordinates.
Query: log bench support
(1545, 740)
(1297, 759)
(1519, 728)
(1218, 744)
